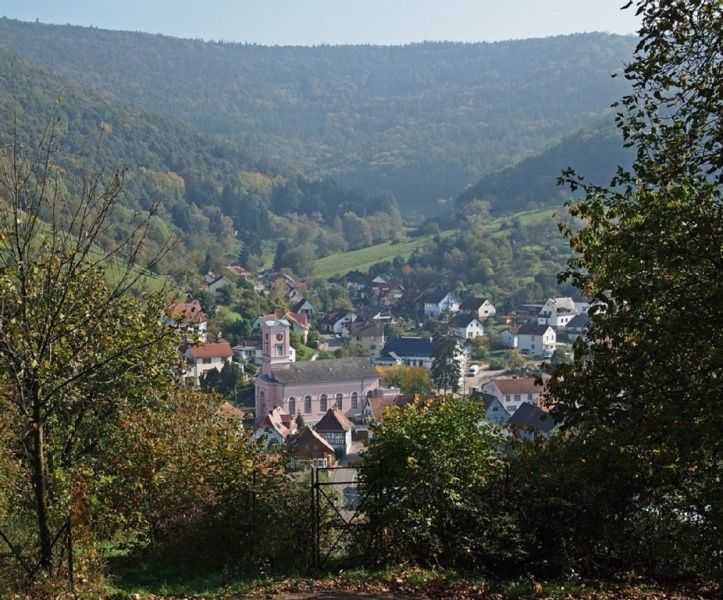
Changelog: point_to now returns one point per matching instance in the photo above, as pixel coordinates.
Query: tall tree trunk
(41, 490)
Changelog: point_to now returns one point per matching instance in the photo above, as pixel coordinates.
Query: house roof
(513, 329)
(378, 404)
(409, 346)
(211, 350)
(580, 321)
(229, 410)
(488, 400)
(309, 444)
(561, 304)
(326, 371)
(274, 420)
(371, 328)
(436, 297)
(299, 318)
(335, 315)
(520, 385)
(533, 329)
(238, 270)
(300, 304)
(472, 303)
(372, 310)
(333, 421)
(463, 320)
(532, 417)
(187, 313)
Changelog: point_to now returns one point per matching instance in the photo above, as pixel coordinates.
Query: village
(316, 379)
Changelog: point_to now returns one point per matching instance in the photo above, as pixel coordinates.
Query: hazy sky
(335, 21)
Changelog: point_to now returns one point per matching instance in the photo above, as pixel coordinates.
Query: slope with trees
(420, 121)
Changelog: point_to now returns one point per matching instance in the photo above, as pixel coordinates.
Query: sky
(311, 22)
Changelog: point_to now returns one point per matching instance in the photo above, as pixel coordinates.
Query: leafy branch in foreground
(80, 341)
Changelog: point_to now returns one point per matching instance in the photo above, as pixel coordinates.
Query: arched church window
(339, 402)
(292, 406)
(307, 404)
(322, 403)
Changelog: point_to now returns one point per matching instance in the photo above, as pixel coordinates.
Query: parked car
(472, 370)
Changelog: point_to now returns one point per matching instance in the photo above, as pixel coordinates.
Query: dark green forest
(220, 202)
(421, 121)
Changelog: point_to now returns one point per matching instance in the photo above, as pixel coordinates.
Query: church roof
(325, 371)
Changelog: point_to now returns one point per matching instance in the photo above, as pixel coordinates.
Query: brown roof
(521, 385)
(211, 350)
(238, 270)
(367, 328)
(187, 313)
(472, 303)
(229, 410)
(378, 404)
(333, 420)
(309, 444)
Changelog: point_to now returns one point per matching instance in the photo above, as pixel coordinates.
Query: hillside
(532, 183)
(206, 188)
(421, 121)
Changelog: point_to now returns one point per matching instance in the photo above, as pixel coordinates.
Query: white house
(189, 319)
(337, 321)
(249, 351)
(557, 312)
(536, 340)
(215, 282)
(370, 335)
(482, 308)
(468, 326)
(275, 428)
(509, 338)
(205, 357)
(495, 411)
(435, 303)
(335, 428)
(513, 392)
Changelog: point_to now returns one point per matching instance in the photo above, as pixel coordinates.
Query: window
(495, 408)
(322, 403)
(206, 361)
(279, 349)
(339, 402)
(262, 396)
(307, 404)
(517, 397)
(292, 406)
(354, 401)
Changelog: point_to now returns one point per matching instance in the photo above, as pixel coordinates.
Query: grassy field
(360, 260)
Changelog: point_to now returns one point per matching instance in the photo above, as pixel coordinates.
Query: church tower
(275, 344)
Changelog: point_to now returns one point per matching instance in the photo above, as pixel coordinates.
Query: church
(308, 388)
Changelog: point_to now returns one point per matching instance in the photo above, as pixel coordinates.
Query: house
(238, 271)
(308, 388)
(582, 303)
(308, 448)
(189, 319)
(468, 326)
(205, 357)
(494, 410)
(410, 351)
(513, 392)
(377, 403)
(248, 351)
(335, 428)
(386, 294)
(536, 340)
(509, 338)
(215, 283)
(529, 421)
(299, 322)
(370, 335)
(557, 312)
(482, 308)
(435, 303)
(375, 312)
(302, 305)
(337, 321)
(275, 428)
(577, 327)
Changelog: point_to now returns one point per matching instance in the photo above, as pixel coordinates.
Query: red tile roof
(187, 313)
(211, 350)
(522, 385)
(238, 270)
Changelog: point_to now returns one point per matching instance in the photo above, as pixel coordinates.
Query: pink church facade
(308, 388)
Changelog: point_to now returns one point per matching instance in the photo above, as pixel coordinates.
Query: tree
(446, 368)
(650, 252)
(81, 340)
(432, 468)
(409, 380)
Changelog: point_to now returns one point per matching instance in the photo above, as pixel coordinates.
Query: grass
(360, 260)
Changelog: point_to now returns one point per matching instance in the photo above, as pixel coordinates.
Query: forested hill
(206, 187)
(532, 183)
(422, 120)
